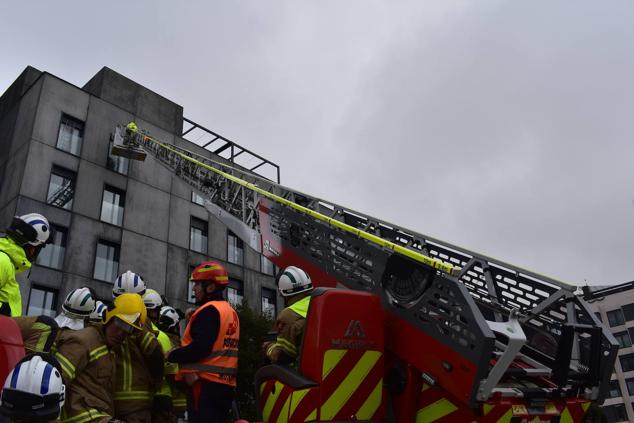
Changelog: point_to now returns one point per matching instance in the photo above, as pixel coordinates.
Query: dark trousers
(209, 402)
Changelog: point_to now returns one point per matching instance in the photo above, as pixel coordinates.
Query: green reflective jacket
(12, 260)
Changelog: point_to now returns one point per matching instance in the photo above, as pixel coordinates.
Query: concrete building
(614, 305)
(112, 214)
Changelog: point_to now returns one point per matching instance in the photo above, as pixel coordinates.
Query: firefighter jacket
(290, 328)
(88, 368)
(221, 363)
(12, 260)
(179, 392)
(139, 373)
(38, 333)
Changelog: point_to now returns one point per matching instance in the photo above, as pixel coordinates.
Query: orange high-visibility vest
(221, 365)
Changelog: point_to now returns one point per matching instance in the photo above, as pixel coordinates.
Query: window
(106, 261)
(117, 163)
(235, 249)
(628, 311)
(190, 284)
(269, 303)
(630, 386)
(71, 132)
(266, 266)
(615, 317)
(197, 199)
(198, 235)
(61, 188)
(624, 339)
(112, 205)
(42, 301)
(235, 292)
(615, 413)
(615, 389)
(52, 255)
(627, 362)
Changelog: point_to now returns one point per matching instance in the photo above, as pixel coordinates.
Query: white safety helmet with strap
(128, 282)
(98, 314)
(168, 317)
(79, 303)
(293, 281)
(34, 390)
(152, 299)
(30, 229)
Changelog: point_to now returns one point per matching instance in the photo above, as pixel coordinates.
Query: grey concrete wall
(136, 99)
(154, 238)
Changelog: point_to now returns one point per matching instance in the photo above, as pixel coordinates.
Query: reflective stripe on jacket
(221, 365)
(12, 260)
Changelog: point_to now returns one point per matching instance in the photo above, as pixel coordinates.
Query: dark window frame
(273, 296)
(625, 336)
(237, 285)
(113, 163)
(64, 173)
(203, 226)
(613, 317)
(627, 362)
(73, 122)
(122, 196)
(193, 199)
(45, 289)
(239, 245)
(56, 230)
(614, 389)
(117, 247)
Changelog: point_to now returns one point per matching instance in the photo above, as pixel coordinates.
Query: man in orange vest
(208, 357)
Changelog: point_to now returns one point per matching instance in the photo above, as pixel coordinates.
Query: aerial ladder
(459, 336)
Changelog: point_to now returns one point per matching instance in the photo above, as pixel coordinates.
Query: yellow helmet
(129, 308)
(131, 127)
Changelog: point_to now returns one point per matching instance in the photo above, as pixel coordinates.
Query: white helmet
(128, 282)
(98, 314)
(79, 303)
(168, 317)
(152, 299)
(32, 229)
(293, 281)
(33, 390)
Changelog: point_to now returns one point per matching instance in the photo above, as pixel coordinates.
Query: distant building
(111, 214)
(614, 305)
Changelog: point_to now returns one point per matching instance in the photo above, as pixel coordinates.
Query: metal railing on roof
(229, 150)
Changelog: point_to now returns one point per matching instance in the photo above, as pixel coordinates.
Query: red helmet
(210, 271)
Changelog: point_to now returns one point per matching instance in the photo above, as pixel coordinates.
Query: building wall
(612, 306)
(154, 237)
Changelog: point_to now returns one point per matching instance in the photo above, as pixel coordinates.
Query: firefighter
(168, 322)
(38, 332)
(162, 403)
(295, 286)
(98, 314)
(208, 357)
(139, 362)
(88, 362)
(26, 236)
(34, 391)
(76, 309)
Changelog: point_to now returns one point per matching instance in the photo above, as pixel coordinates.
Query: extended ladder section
(526, 335)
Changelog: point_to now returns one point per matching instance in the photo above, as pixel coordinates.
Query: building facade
(111, 214)
(614, 306)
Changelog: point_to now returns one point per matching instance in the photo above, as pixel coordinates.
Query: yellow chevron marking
(566, 417)
(312, 416)
(585, 406)
(283, 416)
(262, 387)
(434, 411)
(424, 387)
(486, 408)
(349, 385)
(271, 400)
(331, 359)
(296, 398)
(371, 403)
(506, 418)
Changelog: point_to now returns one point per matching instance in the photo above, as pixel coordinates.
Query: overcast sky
(505, 127)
